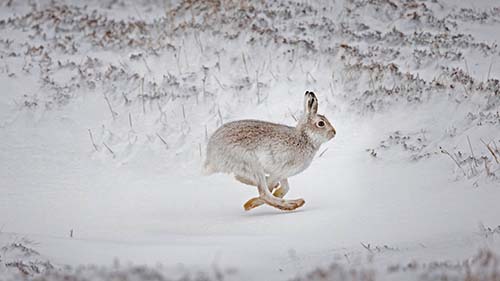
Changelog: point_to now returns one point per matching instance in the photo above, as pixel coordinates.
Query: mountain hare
(265, 154)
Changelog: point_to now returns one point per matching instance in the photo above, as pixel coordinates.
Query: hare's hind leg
(280, 191)
(268, 198)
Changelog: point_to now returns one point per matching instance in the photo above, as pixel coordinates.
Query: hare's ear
(310, 104)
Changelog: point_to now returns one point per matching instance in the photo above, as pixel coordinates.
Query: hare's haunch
(265, 154)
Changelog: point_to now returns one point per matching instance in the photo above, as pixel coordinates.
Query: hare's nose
(332, 133)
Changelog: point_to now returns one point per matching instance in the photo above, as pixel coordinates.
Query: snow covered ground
(106, 107)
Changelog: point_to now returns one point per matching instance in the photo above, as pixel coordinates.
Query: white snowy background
(106, 107)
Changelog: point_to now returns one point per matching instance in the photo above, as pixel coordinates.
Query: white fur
(252, 150)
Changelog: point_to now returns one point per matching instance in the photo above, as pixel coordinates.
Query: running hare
(265, 154)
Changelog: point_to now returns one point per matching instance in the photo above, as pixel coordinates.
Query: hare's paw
(252, 203)
(289, 205)
(285, 205)
(279, 192)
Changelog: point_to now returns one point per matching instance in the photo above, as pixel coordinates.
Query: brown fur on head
(315, 125)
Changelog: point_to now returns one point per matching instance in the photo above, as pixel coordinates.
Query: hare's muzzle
(332, 133)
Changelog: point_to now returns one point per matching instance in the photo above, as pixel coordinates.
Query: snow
(383, 195)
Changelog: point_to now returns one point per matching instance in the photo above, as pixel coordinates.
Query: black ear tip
(307, 93)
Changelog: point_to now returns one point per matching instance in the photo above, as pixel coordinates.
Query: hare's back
(251, 134)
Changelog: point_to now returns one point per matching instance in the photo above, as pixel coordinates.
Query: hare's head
(315, 125)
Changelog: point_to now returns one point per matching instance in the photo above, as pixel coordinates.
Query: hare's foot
(280, 190)
(252, 203)
(286, 205)
(266, 196)
(257, 201)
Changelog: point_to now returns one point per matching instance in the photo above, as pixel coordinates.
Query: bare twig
(273, 75)
(293, 116)
(109, 149)
(366, 247)
(486, 168)
(141, 88)
(220, 115)
(491, 151)
(312, 77)
(220, 84)
(127, 101)
(185, 55)
(466, 66)
(162, 140)
(452, 158)
(468, 74)
(372, 82)
(206, 133)
(472, 151)
(92, 140)
(347, 258)
(177, 60)
(257, 84)
(147, 66)
(489, 71)
(198, 41)
(218, 61)
(245, 63)
(113, 113)
(204, 80)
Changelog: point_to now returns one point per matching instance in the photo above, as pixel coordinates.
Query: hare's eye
(321, 124)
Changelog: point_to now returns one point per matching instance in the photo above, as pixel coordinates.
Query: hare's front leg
(271, 184)
(280, 191)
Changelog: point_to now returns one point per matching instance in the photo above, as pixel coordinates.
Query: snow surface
(407, 85)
